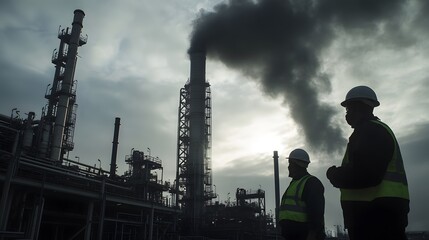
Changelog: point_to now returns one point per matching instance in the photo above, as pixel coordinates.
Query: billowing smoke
(280, 43)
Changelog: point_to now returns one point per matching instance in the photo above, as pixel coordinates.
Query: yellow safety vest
(394, 183)
(292, 206)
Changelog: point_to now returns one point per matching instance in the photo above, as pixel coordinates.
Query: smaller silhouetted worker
(372, 180)
(302, 207)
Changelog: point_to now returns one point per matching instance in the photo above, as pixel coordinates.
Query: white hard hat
(300, 155)
(363, 94)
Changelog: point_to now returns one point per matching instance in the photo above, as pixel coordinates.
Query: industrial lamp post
(99, 162)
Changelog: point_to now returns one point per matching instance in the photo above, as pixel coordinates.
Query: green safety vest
(292, 206)
(394, 183)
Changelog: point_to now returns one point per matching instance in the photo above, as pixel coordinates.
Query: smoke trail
(280, 42)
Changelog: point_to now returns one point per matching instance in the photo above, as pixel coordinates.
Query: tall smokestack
(115, 144)
(276, 185)
(196, 145)
(66, 85)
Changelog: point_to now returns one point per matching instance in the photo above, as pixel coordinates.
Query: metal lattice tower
(184, 175)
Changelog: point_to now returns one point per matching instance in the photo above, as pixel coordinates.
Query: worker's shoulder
(313, 180)
(373, 128)
(313, 186)
(376, 123)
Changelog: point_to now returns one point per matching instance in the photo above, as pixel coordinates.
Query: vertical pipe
(89, 220)
(197, 141)
(115, 144)
(102, 209)
(176, 185)
(276, 185)
(37, 220)
(4, 206)
(151, 223)
(44, 144)
(27, 141)
(66, 86)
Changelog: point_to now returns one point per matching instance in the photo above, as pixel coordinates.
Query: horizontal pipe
(88, 194)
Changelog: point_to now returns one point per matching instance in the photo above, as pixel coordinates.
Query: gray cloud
(414, 148)
(415, 145)
(16, 81)
(363, 15)
(421, 21)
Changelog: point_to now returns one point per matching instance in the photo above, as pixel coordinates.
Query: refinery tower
(194, 175)
(59, 119)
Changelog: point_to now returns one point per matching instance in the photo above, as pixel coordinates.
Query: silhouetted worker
(372, 180)
(302, 208)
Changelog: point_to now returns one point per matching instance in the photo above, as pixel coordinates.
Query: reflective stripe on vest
(292, 207)
(394, 183)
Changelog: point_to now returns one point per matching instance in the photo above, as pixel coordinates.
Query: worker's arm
(370, 149)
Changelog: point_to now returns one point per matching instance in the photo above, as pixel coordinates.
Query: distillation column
(66, 86)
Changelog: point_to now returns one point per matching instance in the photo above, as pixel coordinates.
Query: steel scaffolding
(184, 175)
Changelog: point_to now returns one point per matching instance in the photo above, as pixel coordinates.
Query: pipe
(115, 144)
(4, 206)
(44, 143)
(66, 86)
(276, 184)
(102, 209)
(27, 141)
(89, 214)
(37, 218)
(151, 223)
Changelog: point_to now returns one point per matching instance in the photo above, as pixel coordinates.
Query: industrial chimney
(197, 93)
(276, 185)
(115, 144)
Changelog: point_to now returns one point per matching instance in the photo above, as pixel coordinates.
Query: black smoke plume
(280, 43)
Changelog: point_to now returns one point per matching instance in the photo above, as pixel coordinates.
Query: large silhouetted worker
(372, 180)
(302, 208)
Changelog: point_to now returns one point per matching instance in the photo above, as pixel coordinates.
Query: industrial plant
(47, 195)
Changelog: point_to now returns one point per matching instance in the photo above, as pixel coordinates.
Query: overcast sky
(276, 79)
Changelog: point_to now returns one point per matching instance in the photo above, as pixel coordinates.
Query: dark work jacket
(313, 196)
(370, 149)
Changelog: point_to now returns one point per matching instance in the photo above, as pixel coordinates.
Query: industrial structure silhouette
(47, 195)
